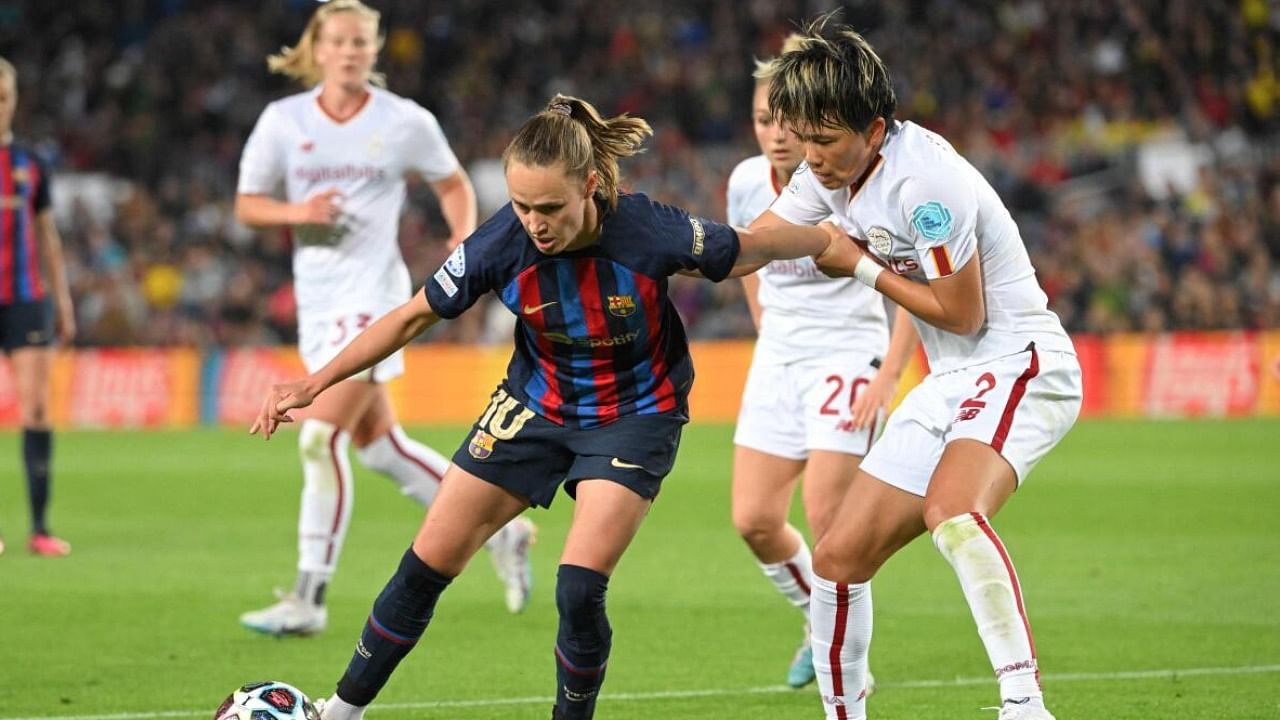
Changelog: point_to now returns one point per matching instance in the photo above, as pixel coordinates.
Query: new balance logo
(625, 465)
(531, 309)
(307, 146)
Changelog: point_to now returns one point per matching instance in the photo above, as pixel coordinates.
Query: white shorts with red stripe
(322, 336)
(791, 408)
(1020, 404)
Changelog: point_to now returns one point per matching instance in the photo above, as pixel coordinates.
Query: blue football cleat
(801, 672)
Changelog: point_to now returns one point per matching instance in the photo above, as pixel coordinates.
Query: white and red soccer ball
(267, 700)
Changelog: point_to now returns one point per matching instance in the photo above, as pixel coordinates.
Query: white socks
(335, 708)
(840, 616)
(793, 577)
(327, 494)
(416, 468)
(991, 587)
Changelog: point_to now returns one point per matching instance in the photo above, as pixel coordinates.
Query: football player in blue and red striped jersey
(35, 304)
(595, 395)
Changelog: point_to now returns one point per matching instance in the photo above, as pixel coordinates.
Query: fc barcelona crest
(481, 445)
(622, 305)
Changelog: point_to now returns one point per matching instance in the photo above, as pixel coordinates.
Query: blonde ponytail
(299, 62)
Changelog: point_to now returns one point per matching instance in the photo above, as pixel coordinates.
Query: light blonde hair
(571, 131)
(299, 61)
(8, 70)
(766, 69)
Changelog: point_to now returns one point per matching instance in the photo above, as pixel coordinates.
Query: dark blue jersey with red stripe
(24, 193)
(596, 337)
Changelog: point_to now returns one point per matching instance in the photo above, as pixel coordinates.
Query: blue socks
(583, 642)
(399, 617)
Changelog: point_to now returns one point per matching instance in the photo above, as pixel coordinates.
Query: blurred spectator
(1059, 104)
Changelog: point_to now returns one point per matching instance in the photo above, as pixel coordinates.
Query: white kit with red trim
(806, 313)
(298, 148)
(923, 211)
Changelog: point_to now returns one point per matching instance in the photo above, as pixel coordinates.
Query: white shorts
(322, 337)
(1020, 404)
(791, 408)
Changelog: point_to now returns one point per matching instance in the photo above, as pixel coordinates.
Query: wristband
(867, 270)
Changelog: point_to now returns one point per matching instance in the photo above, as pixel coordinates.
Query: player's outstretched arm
(390, 333)
(458, 205)
(771, 238)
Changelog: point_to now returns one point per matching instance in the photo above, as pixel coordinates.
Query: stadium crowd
(1134, 140)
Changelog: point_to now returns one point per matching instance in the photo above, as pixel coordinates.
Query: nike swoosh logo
(531, 309)
(625, 465)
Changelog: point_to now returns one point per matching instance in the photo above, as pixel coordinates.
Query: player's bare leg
(465, 513)
(383, 446)
(328, 492)
(872, 522)
(31, 367)
(763, 485)
(605, 520)
(971, 483)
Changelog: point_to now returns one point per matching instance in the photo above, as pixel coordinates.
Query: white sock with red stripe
(416, 468)
(327, 494)
(793, 577)
(840, 620)
(990, 585)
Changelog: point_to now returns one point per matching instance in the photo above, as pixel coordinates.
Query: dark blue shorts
(518, 450)
(26, 324)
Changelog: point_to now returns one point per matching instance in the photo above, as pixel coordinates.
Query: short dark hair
(834, 79)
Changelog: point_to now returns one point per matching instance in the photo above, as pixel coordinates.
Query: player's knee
(317, 441)
(580, 594)
(844, 563)
(937, 512)
(758, 529)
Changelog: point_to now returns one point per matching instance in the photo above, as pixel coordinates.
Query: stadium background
(1135, 141)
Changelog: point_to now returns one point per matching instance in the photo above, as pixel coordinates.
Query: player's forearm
(760, 245)
(265, 211)
(920, 300)
(385, 336)
(902, 345)
(457, 204)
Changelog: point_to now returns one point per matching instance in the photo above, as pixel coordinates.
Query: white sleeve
(735, 201)
(800, 202)
(262, 163)
(428, 152)
(940, 213)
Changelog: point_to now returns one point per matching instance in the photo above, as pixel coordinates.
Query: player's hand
(876, 396)
(842, 253)
(65, 324)
(323, 208)
(275, 409)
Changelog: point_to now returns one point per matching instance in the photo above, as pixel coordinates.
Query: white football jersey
(805, 313)
(924, 211)
(298, 145)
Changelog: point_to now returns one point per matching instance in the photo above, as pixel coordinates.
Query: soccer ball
(268, 700)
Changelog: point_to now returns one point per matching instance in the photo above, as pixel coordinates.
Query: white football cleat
(1015, 711)
(335, 709)
(511, 562)
(291, 616)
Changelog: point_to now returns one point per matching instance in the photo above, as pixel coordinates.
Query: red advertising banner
(1194, 375)
(129, 388)
(241, 378)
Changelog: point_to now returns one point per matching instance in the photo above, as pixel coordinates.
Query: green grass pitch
(1149, 554)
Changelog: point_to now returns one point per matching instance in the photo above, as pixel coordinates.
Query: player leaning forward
(341, 151)
(1005, 385)
(596, 392)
